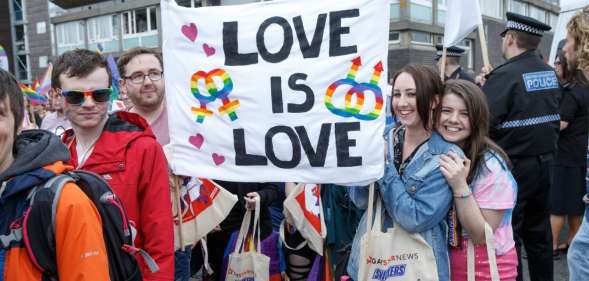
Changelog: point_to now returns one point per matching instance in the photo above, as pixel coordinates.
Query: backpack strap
(43, 257)
(56, 185)
(16, 228)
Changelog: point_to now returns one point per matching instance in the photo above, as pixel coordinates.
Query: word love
(308, 49)
(300, 142)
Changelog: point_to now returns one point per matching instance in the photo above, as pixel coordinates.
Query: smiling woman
(484, 192)
(413, 190)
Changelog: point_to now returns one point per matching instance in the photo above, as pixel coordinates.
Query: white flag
(462, 17)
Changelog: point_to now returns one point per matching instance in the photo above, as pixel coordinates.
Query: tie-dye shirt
(495, 188)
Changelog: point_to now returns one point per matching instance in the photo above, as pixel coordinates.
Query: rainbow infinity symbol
(229, 106)
(354, 108)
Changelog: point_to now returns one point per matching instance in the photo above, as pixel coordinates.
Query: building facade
(45, 29)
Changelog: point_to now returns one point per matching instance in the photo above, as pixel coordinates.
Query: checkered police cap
(525, 24)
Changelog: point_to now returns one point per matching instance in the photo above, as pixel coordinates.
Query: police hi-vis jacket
(523, 95)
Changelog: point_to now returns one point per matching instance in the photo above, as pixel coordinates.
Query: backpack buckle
(15, 235)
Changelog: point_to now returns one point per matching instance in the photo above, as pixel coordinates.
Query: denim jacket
(418, 201)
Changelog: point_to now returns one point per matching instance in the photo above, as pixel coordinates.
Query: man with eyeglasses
(122, 149)
(142, 82)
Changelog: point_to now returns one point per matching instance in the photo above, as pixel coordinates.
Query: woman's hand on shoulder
(455, 170)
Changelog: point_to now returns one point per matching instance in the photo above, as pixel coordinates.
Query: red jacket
(129, 158)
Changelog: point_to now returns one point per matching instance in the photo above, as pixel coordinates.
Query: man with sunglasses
(142, 82)
(122, 148)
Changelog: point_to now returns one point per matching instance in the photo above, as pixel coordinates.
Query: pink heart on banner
(196, 140)
(190, 31)
(209, 51)
(218, 159)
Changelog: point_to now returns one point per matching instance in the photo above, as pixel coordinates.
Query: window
(22, 67)
(17, 9)
(553, 20)
(492, 8)
(395, 10)
(189, 3)
(553, 2)
(20, 38)
(19, 33)
(538, 14)
(69, 35)
(394, 36)
(420, 37)
(140, 28)
(441, 13)
(237, 2)
(518, 7)
(104, 31)
(140, 21)
(421, 11)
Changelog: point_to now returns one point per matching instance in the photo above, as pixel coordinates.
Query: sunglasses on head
(77, 97)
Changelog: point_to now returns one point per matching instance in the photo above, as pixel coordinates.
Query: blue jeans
(577, 258)
(182, 264)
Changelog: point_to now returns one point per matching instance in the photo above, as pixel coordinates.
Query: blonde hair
(578, 28)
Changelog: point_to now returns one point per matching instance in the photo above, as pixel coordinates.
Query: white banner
(288, 91)
(462, 17)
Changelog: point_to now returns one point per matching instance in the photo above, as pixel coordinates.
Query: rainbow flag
(115, 77)
(45, 86)
(3, 59)
(33, 97)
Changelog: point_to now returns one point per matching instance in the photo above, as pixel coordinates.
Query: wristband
(463, 195)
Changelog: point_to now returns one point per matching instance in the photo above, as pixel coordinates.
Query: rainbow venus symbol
(229, 106)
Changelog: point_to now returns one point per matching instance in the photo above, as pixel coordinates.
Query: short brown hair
(9, 89)
(78, 63)
(578, 28)
(428, 87)
(525, 41)
(127, 56)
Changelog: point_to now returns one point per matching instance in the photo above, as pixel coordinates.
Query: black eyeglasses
(76, 97)
(139, 77)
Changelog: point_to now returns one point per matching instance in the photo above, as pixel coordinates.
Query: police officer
(523, 96)
(453, 70)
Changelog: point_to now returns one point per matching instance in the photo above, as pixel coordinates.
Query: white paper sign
(288, 91)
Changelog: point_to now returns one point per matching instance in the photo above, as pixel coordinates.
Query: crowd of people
(494, 165)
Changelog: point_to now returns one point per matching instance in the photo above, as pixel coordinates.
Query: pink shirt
(160, 128)
(495, 189)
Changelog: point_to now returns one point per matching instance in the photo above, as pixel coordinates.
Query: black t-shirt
(572, 142)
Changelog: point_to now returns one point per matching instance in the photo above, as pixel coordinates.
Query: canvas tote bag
(251, 265)
(303, 209)
(203, 204)
(490, 241)
(395, 254)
